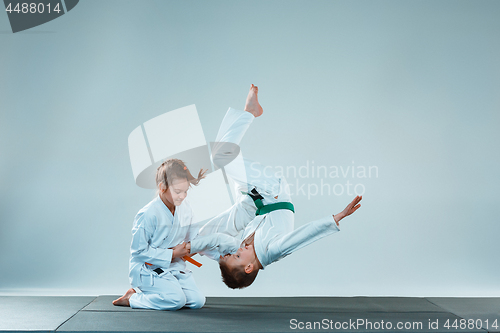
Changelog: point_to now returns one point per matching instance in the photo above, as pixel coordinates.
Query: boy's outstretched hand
(351, 208)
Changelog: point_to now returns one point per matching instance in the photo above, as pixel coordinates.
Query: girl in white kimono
(263, 239)
(157, 272)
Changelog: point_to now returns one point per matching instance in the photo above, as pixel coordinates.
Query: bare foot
(252, 105)
(124, 300)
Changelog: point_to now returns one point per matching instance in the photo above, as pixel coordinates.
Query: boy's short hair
(236, 277)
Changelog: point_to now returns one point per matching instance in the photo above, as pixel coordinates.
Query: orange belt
(191, 260)
(187, 258)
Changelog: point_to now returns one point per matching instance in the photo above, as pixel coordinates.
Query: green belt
(264, 209)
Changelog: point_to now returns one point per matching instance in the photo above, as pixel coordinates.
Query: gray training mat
(205, 321)
(322, 304)
(104, 303)
(484, 310)
(294, 304)
(37, 313)
(254, 314)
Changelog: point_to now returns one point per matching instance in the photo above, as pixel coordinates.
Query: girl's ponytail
(173, 169)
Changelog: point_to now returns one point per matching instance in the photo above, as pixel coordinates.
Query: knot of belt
(264, 209)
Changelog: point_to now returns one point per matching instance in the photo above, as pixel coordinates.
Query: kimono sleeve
(303, 236)
(214, 245)
(141, 248)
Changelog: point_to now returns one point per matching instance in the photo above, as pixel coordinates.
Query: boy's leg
(245, 173)
(233, 127)
(232, 220)
(235, 124)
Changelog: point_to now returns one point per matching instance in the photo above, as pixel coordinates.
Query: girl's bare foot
(252, 105)
(124, 300)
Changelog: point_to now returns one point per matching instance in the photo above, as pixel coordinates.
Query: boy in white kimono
(270, 235)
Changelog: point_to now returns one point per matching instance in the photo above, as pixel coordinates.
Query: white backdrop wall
(409, 88)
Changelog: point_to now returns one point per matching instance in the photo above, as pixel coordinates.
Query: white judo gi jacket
(275, 237)
(156, 230)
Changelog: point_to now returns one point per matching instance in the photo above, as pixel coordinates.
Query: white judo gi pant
(170, 290)
(246, 175)
(276, 238)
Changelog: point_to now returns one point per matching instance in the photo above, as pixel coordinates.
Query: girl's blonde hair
(173, 169)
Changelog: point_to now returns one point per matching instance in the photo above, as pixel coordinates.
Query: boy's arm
(312, 231)
(214, 245)
(303, 236)
(351, 208)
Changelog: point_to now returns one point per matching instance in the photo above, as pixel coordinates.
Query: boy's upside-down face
(243, 258)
